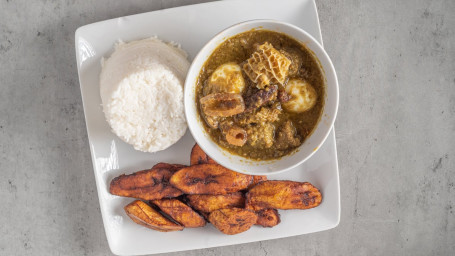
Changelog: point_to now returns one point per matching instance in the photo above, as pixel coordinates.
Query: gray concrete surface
(395, 130)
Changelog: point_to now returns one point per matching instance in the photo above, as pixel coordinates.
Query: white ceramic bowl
(310, 145)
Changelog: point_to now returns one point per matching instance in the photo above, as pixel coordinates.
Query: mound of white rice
(141, 87)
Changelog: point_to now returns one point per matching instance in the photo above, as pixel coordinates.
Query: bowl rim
(259, 27)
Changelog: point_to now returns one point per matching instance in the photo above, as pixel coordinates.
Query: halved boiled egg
(227, 78)
(302, 96)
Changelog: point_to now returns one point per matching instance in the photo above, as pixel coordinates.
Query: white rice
(141, 87)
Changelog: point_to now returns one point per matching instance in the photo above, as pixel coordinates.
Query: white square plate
(191, 26)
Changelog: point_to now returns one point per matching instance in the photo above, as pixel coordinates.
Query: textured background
(395, 130)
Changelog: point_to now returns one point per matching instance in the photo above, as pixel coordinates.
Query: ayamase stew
(260, 94)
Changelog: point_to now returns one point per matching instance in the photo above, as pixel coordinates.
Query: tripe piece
(267, 65)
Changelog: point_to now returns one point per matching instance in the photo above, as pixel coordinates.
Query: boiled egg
(302, 96)
(227, 78)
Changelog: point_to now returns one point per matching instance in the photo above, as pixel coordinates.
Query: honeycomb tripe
(267, 65)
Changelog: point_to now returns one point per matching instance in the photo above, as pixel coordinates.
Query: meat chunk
(263, 115)
(180, 212)
(233, 134)
(260, 98)
(296, 60)
(210, 203)
(283, 194)
(268, 218)
(212, 179)
(261, 136)
(283, 96)
(144, 215)
(222, 104)
(233, 221)
(286, 137)
(148, 184)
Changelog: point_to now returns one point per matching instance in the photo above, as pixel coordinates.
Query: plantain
(144, 215)
(282, 194)
(149, 184)
(180, 212)
(210, 203)
(256, 180)
(268, 218)
(212, 179)
(198, 156)
(233, 220)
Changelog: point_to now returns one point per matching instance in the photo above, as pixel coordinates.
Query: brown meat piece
(283, 96)
(212, 179)
(268, 218)
(234, 134)
(286, 137)
(233, 221)
(148, 184)
(222, 104)
(256, 180)
(144, 215)
(180, 212)
(283, 194)
(260, 98)
(198, 156)
(261, 136)
(263, 115)
(210, 203)
(296, 60)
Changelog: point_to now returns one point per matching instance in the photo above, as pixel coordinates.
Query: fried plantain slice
(148, 184)
(256, 180)
(210, 203)
(268, 218)
(180, 212)
(198, 156)
(283, 194)
(211, 179)
(144, 215)
(233, 221)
